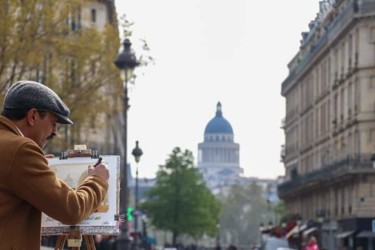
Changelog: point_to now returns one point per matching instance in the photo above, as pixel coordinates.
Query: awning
(310, 230)
(303, 227)
(344, 234)
(366, 234)
(291, 232)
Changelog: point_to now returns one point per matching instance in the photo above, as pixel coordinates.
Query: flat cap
(25, 95)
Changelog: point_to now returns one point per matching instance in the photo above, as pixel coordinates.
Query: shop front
(356, 232)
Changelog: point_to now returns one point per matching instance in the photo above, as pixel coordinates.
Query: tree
(48, 41)
(279, 209)
(243, 210)
(180, 201)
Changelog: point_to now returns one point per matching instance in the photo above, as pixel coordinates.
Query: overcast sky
(232, 51)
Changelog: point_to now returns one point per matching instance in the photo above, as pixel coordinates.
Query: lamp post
(137, 153)
(145, 242)
(218, 245)
(126, 61)
(320, 213)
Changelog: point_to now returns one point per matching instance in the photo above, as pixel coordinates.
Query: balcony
(346, 168)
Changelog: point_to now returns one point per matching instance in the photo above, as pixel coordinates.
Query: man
(28, 187)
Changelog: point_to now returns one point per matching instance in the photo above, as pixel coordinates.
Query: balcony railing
(333, 30)
(350, 165)
(367, 6)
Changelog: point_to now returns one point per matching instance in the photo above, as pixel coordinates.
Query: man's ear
(31, 116)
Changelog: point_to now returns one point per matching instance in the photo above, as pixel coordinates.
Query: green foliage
(180, 201)
(279, 209)
(243, 210)
(42, 41)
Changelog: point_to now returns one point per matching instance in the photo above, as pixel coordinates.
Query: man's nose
(54, 129)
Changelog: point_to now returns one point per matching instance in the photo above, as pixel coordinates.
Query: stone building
(330, 126)
(69, 47)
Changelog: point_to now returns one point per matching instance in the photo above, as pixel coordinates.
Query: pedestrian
(232, 247)
(312, 245)
(28, 187)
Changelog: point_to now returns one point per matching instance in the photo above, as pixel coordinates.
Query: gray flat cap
(25, 95)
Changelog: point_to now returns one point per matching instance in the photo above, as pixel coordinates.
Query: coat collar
(5, 123)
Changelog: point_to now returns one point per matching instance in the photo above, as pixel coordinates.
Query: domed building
(218, 154)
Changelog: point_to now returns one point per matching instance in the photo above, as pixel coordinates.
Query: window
(350, 93)
(294, 173)
(372, 35)
(336, 63)
(72, 74)
(350, 51)
(93, 15)
(342, 59)
(342, 105)
(74, 19)
(372, 82)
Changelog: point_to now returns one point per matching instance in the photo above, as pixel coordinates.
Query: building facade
(330, 125)
(69, 47)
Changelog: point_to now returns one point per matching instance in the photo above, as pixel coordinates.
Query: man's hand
(100, 170)
(49, 156)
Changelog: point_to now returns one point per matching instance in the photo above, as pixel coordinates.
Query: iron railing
(350, 165)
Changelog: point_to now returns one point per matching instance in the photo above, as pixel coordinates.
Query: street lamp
(144, 231)
(137, 153)
(126, 61)
(218, 245)
(320, 213)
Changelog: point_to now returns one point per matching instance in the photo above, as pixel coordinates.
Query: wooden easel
(74, 237)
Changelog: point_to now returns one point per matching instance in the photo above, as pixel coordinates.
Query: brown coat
(28, 187)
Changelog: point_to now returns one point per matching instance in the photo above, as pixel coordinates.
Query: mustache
(50, 137)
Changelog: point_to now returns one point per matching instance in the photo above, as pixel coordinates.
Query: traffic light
(129, 214)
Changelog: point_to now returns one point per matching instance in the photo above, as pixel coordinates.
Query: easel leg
(61, 242)
(74, 239)
(89, 241)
